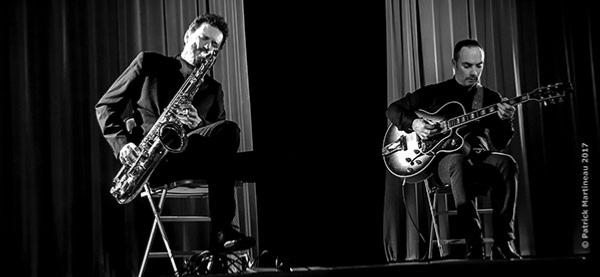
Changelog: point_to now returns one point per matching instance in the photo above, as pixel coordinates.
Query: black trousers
(209, 155)
(473, 175)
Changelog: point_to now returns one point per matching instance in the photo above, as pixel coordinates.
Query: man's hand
(188, 115)
(506, 111)
(424, 129)
(129, 153)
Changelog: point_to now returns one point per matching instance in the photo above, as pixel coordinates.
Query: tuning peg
(545, 103)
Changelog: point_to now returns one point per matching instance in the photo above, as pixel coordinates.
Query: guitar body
(408, 156)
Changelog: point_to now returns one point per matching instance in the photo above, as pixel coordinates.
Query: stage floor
(538, 267)
(451, 267)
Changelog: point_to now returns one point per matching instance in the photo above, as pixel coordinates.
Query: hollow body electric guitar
(408, 156)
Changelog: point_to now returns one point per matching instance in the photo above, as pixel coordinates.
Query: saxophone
(166, 135)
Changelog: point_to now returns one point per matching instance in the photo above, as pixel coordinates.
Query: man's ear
(186, 36)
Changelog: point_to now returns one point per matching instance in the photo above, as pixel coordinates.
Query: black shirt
(496, 133)
(149, 84)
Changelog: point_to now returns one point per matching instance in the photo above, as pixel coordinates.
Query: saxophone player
(147, 85)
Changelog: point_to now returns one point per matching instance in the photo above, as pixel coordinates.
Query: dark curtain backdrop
(58, 58)
(559, 41)
(528, 44)
(317, 85)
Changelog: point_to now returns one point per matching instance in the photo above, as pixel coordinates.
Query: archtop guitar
(408, 156)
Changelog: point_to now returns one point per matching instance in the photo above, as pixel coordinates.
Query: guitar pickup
(398, 145)
(402, 141)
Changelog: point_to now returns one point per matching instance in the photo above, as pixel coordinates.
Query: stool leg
(430, 242)
(432, 207)
(161, 228)
(149, 245)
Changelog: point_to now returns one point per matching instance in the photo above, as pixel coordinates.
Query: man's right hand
(129, 153)
(424, 129)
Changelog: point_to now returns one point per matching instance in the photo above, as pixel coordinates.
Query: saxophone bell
(173, 138)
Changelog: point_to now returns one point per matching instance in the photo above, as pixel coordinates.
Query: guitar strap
(477, 104)
(478, 99)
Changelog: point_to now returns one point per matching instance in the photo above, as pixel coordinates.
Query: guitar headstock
(551, 93)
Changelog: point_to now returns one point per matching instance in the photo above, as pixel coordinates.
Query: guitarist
(484, 139)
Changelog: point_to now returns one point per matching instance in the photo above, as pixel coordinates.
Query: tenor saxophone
(166, 135)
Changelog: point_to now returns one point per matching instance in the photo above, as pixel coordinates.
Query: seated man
(484, 139)
(149, 84)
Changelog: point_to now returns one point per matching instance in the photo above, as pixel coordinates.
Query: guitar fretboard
(483, 112)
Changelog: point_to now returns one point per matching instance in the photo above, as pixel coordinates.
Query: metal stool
(180, 189)
(443, 190)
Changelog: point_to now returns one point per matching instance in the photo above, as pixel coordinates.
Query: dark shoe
(205, 263)
(475, 251)
(504, 250)
(231, 240)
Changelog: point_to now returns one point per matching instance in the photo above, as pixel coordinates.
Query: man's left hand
(188, 115)
(506, 111)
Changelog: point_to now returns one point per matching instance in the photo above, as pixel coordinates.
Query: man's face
(468, 67)
(202, 41)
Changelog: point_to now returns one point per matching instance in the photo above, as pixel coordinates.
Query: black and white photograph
(182, 138)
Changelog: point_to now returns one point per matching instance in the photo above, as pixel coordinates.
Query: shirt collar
(460, 88)
(186, 68)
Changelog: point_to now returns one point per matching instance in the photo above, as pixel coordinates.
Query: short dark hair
(214, 20)
(464, 43)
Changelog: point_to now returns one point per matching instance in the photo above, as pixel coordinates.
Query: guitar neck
(483, 112)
